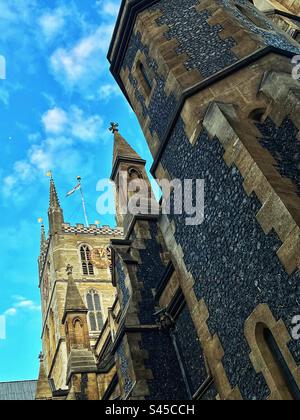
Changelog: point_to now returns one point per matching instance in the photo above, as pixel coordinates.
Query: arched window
(270, 355)
(276, 363)
(148, 83)
(87, 266)
(135, 173)
(95, 312)
(78, 332)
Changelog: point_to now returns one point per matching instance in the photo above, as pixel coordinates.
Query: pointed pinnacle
(54, 201)
(43, 238)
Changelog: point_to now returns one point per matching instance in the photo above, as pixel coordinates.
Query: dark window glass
(93, 324)
(97, 302)
(87, 266)
(146, 77)
(95, 312)
(285, 372)
(90, 303)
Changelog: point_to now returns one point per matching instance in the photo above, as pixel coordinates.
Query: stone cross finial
(114, 127)
(69, 270)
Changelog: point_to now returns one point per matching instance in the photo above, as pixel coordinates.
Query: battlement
(91, 230)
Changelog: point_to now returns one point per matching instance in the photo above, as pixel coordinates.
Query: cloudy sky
(56, 104)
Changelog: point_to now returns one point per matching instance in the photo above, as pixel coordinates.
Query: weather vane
(114, 127)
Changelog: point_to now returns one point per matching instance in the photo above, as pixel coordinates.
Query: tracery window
(87, 266)
(95, 311)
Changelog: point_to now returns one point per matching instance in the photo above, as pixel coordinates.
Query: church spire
(122, 150)
(74, 302)
(54, 201)
(55, 213)
(43, 391)
(128, 170)
(81, 359)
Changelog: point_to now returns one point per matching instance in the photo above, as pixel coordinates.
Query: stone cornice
(122, 33)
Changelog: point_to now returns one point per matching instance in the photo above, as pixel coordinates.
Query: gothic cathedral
(157, 309)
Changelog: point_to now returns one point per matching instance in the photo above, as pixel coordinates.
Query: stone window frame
(75, 320)
(94, 292)
(141, 59)
(134, 169)
(262, 315)
(82, 261)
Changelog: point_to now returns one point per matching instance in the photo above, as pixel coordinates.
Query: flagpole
(83, 204)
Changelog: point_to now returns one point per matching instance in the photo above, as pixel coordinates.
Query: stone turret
(81, 372)
(43, 391)
(130, 176)
(55, 212)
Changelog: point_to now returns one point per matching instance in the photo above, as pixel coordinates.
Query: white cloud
(27, 304)
(10, 312)
(22, 303)
(56, 150)
(87, 129)
(34, 137)
(52, 23)
(18, 298)
(16, 11)
(12, 185)
(83, 64)
(73, 123)
(23, 170)
(108, 8)
(109, 91)
(55, 120)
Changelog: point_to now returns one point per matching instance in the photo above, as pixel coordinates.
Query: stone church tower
(76, 292)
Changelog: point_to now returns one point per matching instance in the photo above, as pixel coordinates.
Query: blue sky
(56, 104)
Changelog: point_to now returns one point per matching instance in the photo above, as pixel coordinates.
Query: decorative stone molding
(263, 316)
